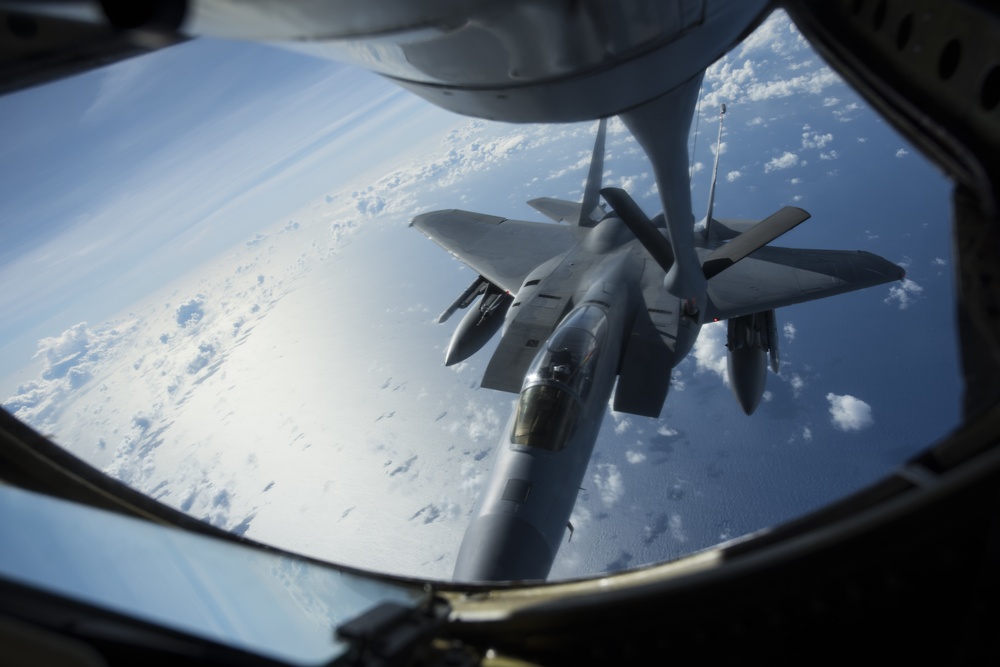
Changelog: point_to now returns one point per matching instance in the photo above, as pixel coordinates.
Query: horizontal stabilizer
(724, 229)
(559, 210)
(777, 277)
(753, 239)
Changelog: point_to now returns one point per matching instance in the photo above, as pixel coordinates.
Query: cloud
(710, 350)
(784, 162)
(633, 456)
(846, 114)
(482, 424)
(677, 382)
(580, 167)
(609, 483)
(849, 413)
(734, 83)
(677, 528)
(191, 311)
(472, 478)
(797, 383)
(902, 152)
(631, 183)
(203, 357)
(368, 204)
(70, 360)
(727, 82)
(904, 293)
(733, 175)
(61, 351)
(815, 140)
(790, 331)
(937, 261)
(777, 35)
(812, 83)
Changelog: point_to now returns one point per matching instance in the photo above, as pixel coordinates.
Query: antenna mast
(715, 174)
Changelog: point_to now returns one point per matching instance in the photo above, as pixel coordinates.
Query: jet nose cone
(503, 547)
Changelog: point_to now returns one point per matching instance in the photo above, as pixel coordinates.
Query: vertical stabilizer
(591, 193)
(715, 176)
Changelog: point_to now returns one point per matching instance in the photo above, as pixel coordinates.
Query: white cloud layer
(849, 413)
(70, 361)
(633, 456)
(745, 80)
(815, 140)
(785, 161)
(609, 483)
(710, 350)
(904, 294)
(797, 383)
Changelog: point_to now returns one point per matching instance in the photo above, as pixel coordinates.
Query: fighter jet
(586, 305)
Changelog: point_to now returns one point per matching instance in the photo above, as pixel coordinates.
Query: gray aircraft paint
(553, 272)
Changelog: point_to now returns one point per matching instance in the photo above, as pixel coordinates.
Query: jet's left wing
(774, 277)
(501, 250)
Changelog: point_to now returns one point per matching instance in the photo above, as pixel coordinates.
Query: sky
(220, 302)
(123, 178)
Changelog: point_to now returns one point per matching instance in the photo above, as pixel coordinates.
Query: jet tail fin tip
(592, 191)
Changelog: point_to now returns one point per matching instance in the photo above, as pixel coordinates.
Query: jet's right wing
(501, 250)
(773, 277)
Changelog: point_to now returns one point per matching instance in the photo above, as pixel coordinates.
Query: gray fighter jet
(585, 304)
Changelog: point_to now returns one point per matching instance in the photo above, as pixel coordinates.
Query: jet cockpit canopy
(558, 380)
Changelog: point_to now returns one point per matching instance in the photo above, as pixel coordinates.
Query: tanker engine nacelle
(750, 339)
